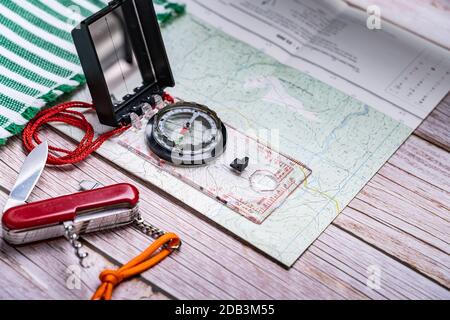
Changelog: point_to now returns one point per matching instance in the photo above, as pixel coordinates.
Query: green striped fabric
(38, 61)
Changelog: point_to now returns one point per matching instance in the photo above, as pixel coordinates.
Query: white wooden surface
(399, 223)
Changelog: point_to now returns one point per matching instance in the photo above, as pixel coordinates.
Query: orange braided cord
(141, 263)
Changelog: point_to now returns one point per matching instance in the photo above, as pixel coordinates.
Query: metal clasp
(73, 237)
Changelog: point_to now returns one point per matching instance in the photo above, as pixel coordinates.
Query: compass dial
(186, 133)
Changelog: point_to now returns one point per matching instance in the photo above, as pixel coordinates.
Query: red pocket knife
(69, 215)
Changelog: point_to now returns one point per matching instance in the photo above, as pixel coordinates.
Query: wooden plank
(414, 208)
(404, 210)
(427, 195)
(436, 127)
(444, 106)
(425, 161)
(51, 264)
(426, 18)
(353, 261)
(221, 250)
(48, 270)
(428, 260)
(15, 283)
(407, 206)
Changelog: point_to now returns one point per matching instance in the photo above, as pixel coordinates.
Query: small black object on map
(240, 164)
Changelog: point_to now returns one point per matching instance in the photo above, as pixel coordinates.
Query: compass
(186, 134)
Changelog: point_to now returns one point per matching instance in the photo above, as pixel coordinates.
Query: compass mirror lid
(122, 54)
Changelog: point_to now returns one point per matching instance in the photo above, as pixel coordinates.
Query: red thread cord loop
(62, 113)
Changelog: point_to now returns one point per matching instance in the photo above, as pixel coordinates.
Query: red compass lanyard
(63, 113)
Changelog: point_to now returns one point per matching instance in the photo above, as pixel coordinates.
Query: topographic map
(343, 141)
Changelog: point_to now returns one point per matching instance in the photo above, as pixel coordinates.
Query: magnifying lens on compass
(186, 134)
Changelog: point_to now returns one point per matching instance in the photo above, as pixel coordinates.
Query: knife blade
(29, 175)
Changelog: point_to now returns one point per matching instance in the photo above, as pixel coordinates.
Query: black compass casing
(123, 58)
(187, 157)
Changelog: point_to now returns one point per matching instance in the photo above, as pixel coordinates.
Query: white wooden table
(398, 224)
